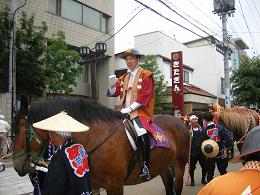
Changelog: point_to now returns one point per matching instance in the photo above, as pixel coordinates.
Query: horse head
(29, 145)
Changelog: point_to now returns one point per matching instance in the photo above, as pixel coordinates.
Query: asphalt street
(12, 184)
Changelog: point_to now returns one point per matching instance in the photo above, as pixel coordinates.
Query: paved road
(12, 184)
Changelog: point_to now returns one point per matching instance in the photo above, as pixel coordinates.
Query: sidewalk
(11, 183)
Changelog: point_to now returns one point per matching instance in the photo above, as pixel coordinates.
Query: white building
(84, 22)
(203, 67)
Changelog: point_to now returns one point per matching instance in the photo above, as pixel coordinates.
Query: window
(185, 76)
(104, 23)
(91, 18)
(80, 13)
(71, 10)
(222, 86)
(52, 6)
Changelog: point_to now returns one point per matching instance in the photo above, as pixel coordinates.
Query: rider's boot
(144, 144)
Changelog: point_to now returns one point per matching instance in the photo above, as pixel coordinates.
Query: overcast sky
(199, 12)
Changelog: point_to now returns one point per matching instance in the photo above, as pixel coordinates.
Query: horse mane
(78, 108)
(237, 120)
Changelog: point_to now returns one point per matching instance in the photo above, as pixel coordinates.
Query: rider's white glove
(131, 108)
(126, 110)
(112, 82)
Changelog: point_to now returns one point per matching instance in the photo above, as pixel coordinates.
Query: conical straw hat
(61, 122)
(210, 148)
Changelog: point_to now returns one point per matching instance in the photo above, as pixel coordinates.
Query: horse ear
(216, 107)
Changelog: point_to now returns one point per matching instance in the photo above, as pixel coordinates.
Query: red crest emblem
(78, 159)
(213, 134)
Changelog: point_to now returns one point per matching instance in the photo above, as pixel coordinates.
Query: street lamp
(101, 47)
(12, 62)
(84, 51)
(91, 57)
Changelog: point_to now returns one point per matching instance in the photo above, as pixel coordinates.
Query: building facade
(84, 22)
(198, 91)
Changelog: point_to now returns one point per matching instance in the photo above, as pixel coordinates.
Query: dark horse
(106, 142)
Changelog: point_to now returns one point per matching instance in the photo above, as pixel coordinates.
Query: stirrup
(144, 173)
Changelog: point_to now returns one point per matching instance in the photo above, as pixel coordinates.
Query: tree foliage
(37, 63)
(5, 24)
(30, 44)
(246, 83)
(149, 63)
(61, 66)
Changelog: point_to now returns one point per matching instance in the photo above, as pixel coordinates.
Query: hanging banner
(234, 60)
(177, 81)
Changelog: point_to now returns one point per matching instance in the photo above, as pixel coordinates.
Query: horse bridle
(31, 136)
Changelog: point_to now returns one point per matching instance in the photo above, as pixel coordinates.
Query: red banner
(177, 81)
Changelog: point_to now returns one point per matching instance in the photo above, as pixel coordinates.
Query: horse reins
(248, 126)
(30, 136)
(105, 140)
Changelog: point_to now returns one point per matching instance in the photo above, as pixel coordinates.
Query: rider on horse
(136, 91)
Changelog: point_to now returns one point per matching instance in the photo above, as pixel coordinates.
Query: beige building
(84, 22)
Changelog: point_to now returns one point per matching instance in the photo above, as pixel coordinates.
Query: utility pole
(226, 61)
(12, 57)
(225, 8)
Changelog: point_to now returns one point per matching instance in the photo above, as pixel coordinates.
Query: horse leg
(167, 178)
(119, 190)
(179, 169)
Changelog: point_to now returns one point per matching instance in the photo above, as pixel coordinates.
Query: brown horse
(107, 144)
(237, 120)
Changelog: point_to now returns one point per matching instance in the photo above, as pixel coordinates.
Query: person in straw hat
(68, 170)
(246, 180)
(136, 91)
(220, 135)
(196, 137)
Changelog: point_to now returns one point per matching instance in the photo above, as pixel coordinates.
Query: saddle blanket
(158, 138)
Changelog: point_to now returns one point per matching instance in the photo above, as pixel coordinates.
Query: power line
(204, 13)
(148, 7)
(111, 29)
(256, 9)
(123, 25)
(247, 26)
(239, 49)
(192, 18)
(251, 11)
(183, 17)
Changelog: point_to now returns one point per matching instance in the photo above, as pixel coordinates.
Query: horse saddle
(158, 137)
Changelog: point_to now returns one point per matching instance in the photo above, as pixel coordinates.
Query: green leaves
(246, 82)
(30, 46)
(149, 63)
(40, 61)
(61, 65)
(5, 36)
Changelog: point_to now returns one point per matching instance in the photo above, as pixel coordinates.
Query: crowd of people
(207, 158)
(210, 143)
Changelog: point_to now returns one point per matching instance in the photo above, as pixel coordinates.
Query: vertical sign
(177, 81)
(234, 60)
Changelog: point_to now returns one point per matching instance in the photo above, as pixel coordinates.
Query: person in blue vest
(222, 137)
(68, 170)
